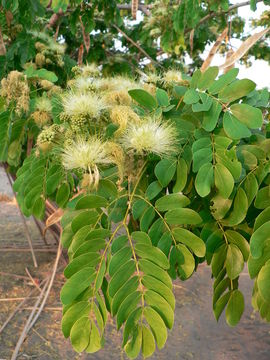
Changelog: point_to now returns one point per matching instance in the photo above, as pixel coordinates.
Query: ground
(195, 335)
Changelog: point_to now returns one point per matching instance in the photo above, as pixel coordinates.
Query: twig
(24, 223)
(16, 299)
(46, 308)
(16, 249)
(26, 326)
(31, 278)
(13, 275)
(17, 308)
(58, 255)
(213, 14)
(136, 45)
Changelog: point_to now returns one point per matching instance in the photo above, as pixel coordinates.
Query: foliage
(141, 211)
(101, 31)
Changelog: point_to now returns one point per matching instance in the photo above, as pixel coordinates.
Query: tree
(156, 173)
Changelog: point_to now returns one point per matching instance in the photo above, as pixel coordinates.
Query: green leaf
(162, 97)
(218, 258)
(237, 239)
(149, 268)
(128, 288)
(95, 341)
(262, 218)
(185, 262)
(133, 347)
(46, 75)
(263, 282)
(159, 304)
(210, 118)
(171, 201)
(91, 202)
(234, 128)
(201, 157)
(220, 288)
(165, 171)
(39, 208)
(204, 105)
(119, 259)
(234, 261)
(248, 115)
(224, 180)
(223, 81)
(207, 78)
(121, 276)
(251, 187)
(262, 200)
(182, 216)
(138, 208)
(5, 121)
(141, 237)
(76, 311)
(239, 211)
(235, 307)
(220, 305)
(143, 98)
(86, 217)
(153, 190)
(89, 259)
(76, 285)
(127, 306)
(153, 254)
(255, 265)
(154, 284)
(80, 333)
(147, 219)
(191, 240)
(148, 342)
(181, 176)
(258, 240)
(191, 97)
(62, 194)
(236, 90)
(204, 180)
(157, 326)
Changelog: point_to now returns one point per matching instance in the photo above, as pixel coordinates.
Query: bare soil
(195, 335)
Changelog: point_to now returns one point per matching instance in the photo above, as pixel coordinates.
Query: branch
(144, 8)
(2, 44)
(213, 14)
(136, 45)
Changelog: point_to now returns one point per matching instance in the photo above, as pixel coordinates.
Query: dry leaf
(86, 37)
(228, 55)
(53, 219)
(80, 55)
(191, 37)
(214, 49)
(243, 49)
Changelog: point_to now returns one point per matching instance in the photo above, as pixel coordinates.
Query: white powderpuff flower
(83, 105)
(43, 104)
(117, 83)
(83, 84)
(150, 136)
(90, 70)
(85, 154)
(172, 76)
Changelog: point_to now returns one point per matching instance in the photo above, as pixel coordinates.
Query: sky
(259, 72)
